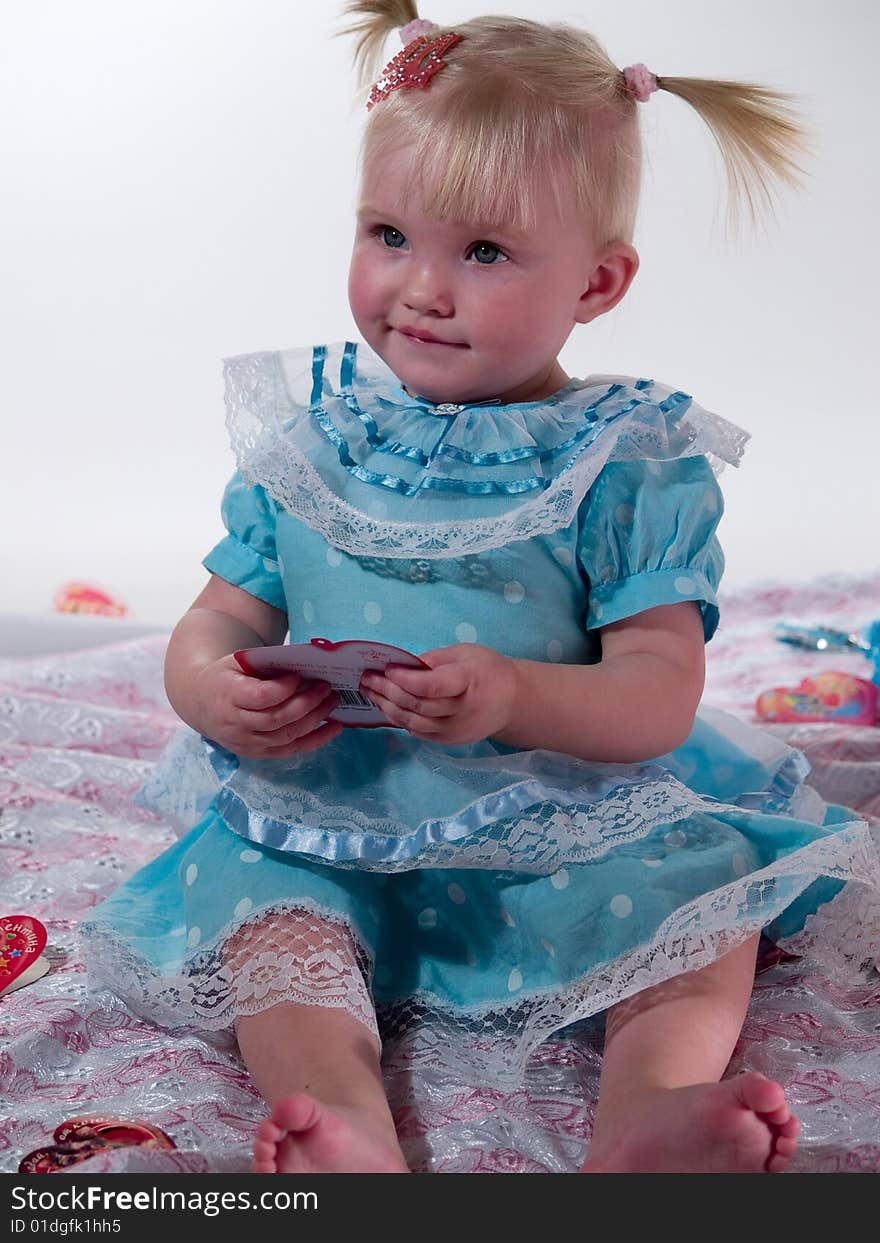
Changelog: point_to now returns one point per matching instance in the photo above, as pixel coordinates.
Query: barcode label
(352, 699)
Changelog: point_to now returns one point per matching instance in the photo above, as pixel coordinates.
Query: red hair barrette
(414, 66)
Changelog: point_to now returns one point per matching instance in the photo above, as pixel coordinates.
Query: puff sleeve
(247, 557)
(647, 537)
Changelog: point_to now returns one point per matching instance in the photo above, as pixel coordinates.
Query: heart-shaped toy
(79, 1138)
(22, 941)
(828, 696)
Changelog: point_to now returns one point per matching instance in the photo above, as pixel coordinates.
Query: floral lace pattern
(303, 955)
(65, 846)
(275, 451)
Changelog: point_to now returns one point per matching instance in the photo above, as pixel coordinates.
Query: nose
(427, 290)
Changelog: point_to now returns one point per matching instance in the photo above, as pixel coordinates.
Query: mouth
(424, 339)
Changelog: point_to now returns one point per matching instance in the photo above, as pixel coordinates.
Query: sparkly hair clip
(414, 66)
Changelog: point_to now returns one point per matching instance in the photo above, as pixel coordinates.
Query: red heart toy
(79, 1138)
(22, 941)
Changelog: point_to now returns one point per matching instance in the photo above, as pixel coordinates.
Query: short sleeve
(647, 537)
(247, 557)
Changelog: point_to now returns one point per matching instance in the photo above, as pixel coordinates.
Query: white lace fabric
(69, 836)
(276, 447)
(302, 955)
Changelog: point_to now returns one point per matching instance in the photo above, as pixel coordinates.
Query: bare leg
(319, 1071)
(661, 1106)
(317, 1066)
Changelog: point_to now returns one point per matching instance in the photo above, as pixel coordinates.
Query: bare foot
(739, 1126)
(304, 1136)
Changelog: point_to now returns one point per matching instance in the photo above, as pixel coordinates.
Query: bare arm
(207, 689)
(637, 703)
(221, 619)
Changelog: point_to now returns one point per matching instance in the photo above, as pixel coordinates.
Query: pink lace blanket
(80, 731)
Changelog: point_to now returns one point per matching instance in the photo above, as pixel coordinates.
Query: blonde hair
(518, 95)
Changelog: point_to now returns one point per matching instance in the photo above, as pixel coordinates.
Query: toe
(296, 1113)
(763, 1096)
(263, 1150)
(269, 1133)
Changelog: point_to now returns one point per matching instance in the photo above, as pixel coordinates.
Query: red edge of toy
(245, 664)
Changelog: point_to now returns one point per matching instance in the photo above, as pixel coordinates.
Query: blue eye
(392, 237)
(486, 253)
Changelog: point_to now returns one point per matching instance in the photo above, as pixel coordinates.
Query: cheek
(364, 286)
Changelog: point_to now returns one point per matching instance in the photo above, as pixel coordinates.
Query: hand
(466, 695)
(264, 719)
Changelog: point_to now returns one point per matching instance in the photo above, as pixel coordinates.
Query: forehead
(397, 180)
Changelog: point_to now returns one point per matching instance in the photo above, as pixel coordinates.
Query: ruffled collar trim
(333, 427)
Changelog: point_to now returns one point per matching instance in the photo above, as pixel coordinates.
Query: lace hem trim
(210, 993)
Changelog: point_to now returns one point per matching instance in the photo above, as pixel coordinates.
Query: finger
(258, 694)
(414, 722)
(445, 682)
(301, 725)
(311, 742)
(374, 685)
(290, 710)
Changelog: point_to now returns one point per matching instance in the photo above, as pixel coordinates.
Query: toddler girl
(547, 829)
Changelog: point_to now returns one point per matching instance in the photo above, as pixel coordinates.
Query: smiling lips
(426, 339)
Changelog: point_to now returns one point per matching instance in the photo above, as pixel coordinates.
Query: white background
(178, 185)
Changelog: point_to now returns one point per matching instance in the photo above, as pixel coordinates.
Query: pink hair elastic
(413, 29)
(640, 82)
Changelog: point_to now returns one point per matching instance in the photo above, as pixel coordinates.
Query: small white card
(340, 664)
(30, 975)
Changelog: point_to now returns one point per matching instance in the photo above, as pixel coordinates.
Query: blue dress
(476, 892)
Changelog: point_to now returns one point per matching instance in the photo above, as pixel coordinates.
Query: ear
(609, 281)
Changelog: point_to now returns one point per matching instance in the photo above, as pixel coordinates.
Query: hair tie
(412, 30)
(640, 82)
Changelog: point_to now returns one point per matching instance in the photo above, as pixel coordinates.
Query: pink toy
(829, 696)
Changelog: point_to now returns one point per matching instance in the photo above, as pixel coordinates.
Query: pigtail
(377, 19)
(758, 134)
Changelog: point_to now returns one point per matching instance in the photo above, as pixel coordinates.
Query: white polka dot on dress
(508, 918)
(372, 612)
(624, 514)
(563, 556)
(334, 557)
(466, 633)
(428, 918)
(308, 611)
(554, 650)
(242, 908)
(456, 894)
(621, 906)
(250, 856)
(191, 873)
(684, 585)
(548, 946)
(193, 937)
(740, 865)
(652, 863)
(597, 610)
(514, 592)
(514, 980)
(560, 879)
